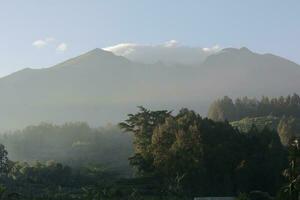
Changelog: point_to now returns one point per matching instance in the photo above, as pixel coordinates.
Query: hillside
(100, 87)
(245, 124)
(286, 127)
(73, 144)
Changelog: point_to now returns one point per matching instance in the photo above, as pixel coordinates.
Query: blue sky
(79, 26)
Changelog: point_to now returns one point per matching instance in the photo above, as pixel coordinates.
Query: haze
(151, 100)
(264, 27)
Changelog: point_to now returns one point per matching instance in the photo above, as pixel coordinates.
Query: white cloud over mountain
(62, 47)
(50, 41)
(43, 42)
(39, 43)
(171, 52)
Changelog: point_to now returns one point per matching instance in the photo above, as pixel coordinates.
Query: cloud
(62, 47)
(43, 42)
(39, 43)
(171, 43)
(213, 49)
(170, 52)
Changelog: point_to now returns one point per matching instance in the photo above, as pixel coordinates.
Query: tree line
(74, 144)
(194, 156)
(231, 110)
(175, 156)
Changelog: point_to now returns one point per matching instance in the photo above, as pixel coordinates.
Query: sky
(38, 34)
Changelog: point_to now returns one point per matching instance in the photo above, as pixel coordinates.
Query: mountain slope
(100, 87)
(239, 72)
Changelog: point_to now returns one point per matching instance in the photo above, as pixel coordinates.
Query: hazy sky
(42, 33)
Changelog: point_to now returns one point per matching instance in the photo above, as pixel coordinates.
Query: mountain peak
(98, 51)
(245, 49)
(236, 50)
(94, 57)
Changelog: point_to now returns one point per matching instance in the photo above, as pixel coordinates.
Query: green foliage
(142, 125)
(73, 144)
(55, 181)
(266, 159)
(195, 156)
(5, 195)
(287, 127)
(226, 109)
(3, 160)
(291, 190)
(223, 109)
(178, 156)
(244, 125)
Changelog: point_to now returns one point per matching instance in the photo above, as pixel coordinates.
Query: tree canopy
(228, 109)
(196, 155)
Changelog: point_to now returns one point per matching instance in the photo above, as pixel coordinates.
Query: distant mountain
(100, 87)
(237, 72)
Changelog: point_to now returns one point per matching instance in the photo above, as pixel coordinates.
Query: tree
(142, 125)
(225, 109)
(222, 109)
(177, 150)
(264, 160)
(3, 160)
(286, 129)
(291, 190)
(197, 156)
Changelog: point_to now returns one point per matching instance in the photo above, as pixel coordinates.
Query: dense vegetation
(196, 156)
(227, 109)
(287, 127)
(173, 156)
(246, 124)
(73, 144)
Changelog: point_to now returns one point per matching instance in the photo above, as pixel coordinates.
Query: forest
(73, 144)
(251, 154)
(232, 110)
(281, 114)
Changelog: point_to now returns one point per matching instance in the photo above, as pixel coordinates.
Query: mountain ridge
(100, 87)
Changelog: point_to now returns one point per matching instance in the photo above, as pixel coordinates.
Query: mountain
(100, 87)
(240, 72)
